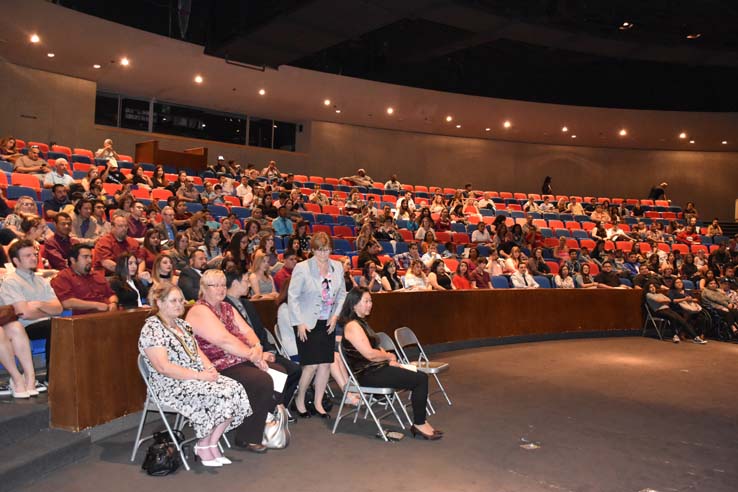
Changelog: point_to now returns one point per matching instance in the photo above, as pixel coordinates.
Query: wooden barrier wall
(94, 377)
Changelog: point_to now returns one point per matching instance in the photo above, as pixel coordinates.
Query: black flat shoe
(428, 437)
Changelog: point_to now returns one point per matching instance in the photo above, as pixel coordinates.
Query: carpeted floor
(622, 414)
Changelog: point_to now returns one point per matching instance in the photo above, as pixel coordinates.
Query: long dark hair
(352, 299)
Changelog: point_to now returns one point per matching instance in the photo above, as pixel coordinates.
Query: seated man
(137, 221)
(79, 288)
(110, 246)
(547, 206)
(319, 197)
(282, 225)
(107, 151)
(59, 175)
(370, 252)
(167, 229)
(34, 302)
(431, 255)
(575, 207)
(289, 259)
(393, 184)
(607, 279)
(59, 245)
(189, 277)
(84, 225)
(361, 178)
(688, 236)
(188, 192)
(245, 192)
(111, 173)
(404, 260)
(31, 163)
(632, 265)
(616, 233)
(522, 279)
(479, 275)
(57, 202)
(238, 287)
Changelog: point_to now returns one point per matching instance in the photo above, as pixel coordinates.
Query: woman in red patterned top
(234, 349)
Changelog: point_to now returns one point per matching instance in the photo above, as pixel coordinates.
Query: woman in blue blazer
(315, 298)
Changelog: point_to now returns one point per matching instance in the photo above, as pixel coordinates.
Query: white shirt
(481, 237)
(520, 281)
(393, 185)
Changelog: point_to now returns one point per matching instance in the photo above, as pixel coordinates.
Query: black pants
(41, 330)
(396, 377)
(730, 316)
(260, 390)
(294, 371)
(677, 321)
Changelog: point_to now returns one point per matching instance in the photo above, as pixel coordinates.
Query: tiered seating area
(332, 220)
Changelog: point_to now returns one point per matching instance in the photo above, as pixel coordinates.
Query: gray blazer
(305, 295)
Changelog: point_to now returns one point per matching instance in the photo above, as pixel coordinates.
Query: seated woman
(537, 263)
(364, 237)
(687, 306)
(163, 271)
(370, 279)
(561, 250)
(463, 279)
(563, 280)
(140, 179)
(659, 306)
(212, 248)
(196, 232)
(348, 279)
(390, 280)
(584, 279)
(415, 278)
(443, 224)
(234, 349)
(151, 247)
(438, 278)
(182, 377)
(512, 262)
(266, 246)
(180, 253)
(260, 278)
(131, 292)
(718, 300)
(159, 179)
(377, 368)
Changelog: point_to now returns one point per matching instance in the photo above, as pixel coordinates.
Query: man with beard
(109, 247)
(80, 289)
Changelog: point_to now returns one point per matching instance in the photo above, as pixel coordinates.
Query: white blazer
(304, 298)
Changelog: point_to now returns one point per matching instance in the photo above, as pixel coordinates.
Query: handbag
(690, 306)
(277, 431)
(7, 314)
(162, 457)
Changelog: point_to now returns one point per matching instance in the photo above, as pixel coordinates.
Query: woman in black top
(546, 188)
(377, 368)
(438, 278)
(159, 180)
(390, 280)
(131, 292)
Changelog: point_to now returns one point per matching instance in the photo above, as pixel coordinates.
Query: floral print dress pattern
(205, 404)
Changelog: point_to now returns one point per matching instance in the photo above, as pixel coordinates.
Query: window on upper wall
(134, 114)
(284, 135)
(199, 123)
(260, 132)
(106, 109)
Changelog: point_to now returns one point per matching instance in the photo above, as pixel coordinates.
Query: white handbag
(276, 430)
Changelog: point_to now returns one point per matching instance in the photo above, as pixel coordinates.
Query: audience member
(59, 245)
(59, 175)
(189, 278)
(361, 178)
(34, 302)
(522, 279)
(57, 202)
(107, 151)
(130, 291)
(289, 258)
(137, 221)
(110, 246)
(79, 288)
(32, 163)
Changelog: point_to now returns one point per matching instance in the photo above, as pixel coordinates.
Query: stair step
(37, 455)
(20, 419)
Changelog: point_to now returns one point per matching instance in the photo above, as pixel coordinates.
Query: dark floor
(623, 414)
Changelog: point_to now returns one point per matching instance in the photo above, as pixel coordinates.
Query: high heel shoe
(18, 394)
(221, 459)
(303, 415)
(214, 463)
(428, 437)
(322, 415)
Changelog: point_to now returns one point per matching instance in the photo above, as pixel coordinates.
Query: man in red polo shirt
(137, 222)
(110, 246)
(80, 289)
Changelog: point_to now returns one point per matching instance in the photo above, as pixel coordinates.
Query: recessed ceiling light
(449, 118)
(691, 141)
(198, 79)
(163, 119)
(683, 135)
(96, 66)
(327, 102)
(696, 35)
(626, 25)
(487, 129)
(390, 110)
(35, 39)
(623, 132)
(507, 124)
(458, 126)
(338, 111)
(262, 92)
(573, 136)
(564, 129)
(203, 125)
(50, 55)
(125, 61)
(724, 142)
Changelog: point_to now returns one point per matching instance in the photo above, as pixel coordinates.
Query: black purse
(162, 457)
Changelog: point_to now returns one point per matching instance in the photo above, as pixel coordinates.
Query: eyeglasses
(217, 286)
(323, 250)
(176, 301)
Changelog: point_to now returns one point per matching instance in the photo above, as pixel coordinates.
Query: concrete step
(39, 454)
(22, 418)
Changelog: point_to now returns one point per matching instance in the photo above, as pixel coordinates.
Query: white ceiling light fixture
(507, 124)
(198, 79)
(564, 129)
(125, 61)
(96, 66)
(326, 102)
(623, 132)
(683, 135)
(573, 136)
(449, 118)
(487, 129)
(262, 92)
(625, 26)
(458, 126)
(35, 39)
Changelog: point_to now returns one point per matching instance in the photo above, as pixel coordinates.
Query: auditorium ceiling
(509, 75)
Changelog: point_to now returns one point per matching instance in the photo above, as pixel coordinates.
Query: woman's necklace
(180, 338)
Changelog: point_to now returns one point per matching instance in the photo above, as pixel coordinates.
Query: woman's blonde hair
(210, 276)
(259, 258)
(160, 291)
(156, 269)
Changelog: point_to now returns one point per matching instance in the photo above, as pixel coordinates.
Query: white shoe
(676, 339)
(699, 341)
(213, 463)
(18, 394)
(221, 459)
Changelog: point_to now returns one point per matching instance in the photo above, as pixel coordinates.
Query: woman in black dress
(131, 292)
(377, 368)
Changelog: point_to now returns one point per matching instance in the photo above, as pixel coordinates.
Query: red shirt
(136, 228)
(281, 277)
(56, 250)
(67, 284)
(109, 248)
(461, 282)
